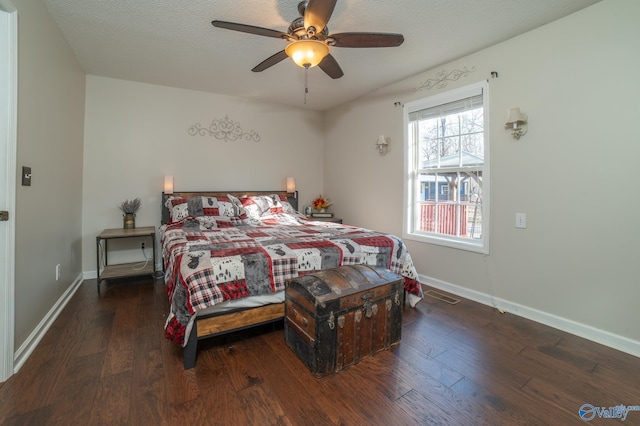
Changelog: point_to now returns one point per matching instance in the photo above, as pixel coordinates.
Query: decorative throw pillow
(257, 205)
(282, 204)
(238, 207)
(212, 206)
(178, 208)
(220, 206)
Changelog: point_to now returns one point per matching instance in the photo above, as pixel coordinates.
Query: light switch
(26, 176)
(521, 220)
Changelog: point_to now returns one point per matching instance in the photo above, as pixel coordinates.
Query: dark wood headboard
(292, 197)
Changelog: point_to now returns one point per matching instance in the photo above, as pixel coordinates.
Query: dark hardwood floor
(105, 361)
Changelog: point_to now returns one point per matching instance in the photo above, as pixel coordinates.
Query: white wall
(574, 173)
(136, 133)
(51, 94)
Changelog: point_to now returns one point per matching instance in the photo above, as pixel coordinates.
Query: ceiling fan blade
(317, 13)
(243, 28)
(368, 39)
(330, 66)
(270, 61)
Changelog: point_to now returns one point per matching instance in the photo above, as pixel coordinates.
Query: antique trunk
(334, 318)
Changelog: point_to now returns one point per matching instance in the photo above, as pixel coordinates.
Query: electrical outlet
(521, 220)
(142, 245)
(58, 271)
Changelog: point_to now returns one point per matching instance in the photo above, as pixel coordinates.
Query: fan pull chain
(306, 82)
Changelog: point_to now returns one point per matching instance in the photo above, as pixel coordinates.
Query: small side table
(123, 270)
(326, 219)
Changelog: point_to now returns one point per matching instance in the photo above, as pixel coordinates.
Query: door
(8, 141)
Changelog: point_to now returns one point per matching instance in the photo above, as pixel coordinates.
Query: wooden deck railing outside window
(450, 219)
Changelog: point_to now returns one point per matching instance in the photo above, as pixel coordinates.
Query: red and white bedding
(212, 259)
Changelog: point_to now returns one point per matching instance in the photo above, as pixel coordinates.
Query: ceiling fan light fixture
(307, 53)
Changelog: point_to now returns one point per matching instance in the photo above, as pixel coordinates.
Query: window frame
(411, 182)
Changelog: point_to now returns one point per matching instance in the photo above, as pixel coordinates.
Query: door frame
(7, 277)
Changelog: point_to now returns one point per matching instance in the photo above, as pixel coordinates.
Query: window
(447, 169)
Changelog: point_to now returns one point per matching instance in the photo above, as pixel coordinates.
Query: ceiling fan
(309, 38)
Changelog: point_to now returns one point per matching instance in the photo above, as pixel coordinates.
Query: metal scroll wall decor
(444, 77)
(224, 129)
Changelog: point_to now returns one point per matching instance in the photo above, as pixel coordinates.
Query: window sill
(476, 246)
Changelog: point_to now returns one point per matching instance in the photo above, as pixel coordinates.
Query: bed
(228, 255)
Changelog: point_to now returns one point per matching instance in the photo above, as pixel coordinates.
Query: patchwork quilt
(212, 259)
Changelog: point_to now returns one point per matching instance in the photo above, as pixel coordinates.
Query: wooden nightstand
(123, 270)
(326, 219)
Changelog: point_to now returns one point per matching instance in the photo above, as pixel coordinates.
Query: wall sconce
(168, 184)
(291, 184)
(517, 123)
(382, 145)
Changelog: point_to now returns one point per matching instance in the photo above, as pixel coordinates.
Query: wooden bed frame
(234, 320)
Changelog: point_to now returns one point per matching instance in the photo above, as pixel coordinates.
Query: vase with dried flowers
(321, 203)
(129, 209)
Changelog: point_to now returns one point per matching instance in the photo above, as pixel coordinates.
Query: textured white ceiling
(172, 42)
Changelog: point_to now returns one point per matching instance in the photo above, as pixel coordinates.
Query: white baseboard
(29, 345)
(606, 338)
